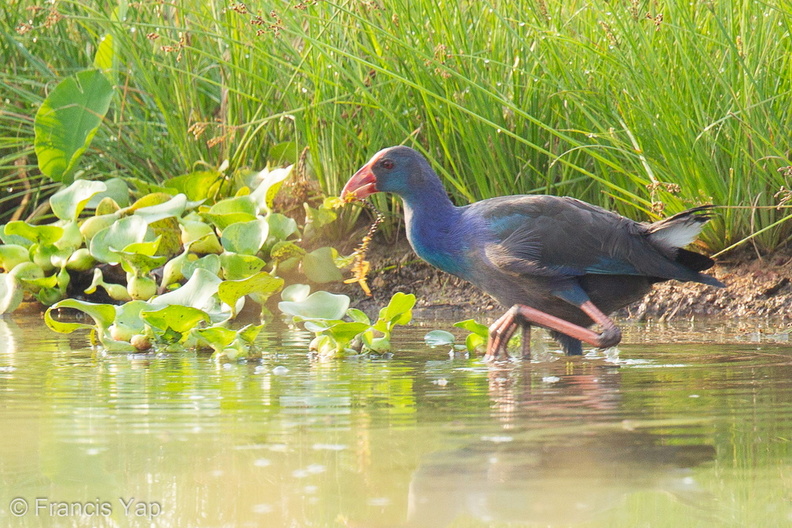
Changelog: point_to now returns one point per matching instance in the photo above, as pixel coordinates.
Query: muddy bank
(755, 287)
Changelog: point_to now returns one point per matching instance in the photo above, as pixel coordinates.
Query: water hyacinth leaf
(210, 263)
(41, 234)
(199, 237)
(398, 311)
(11, 255)
(116, 189)
(344, 332)
(285, 152)
(296, 292)
(128, 316)
(217, 337)
(11, 293)
(174, 317)
(318, 305)
(236, 267)
(439, 338)
(118, 236)
(281, 227)
(103, 316)
(67, 122)
(358, 316)
(270, 182)
(263, 285)
(249, 333)
(231, 211)
(245, 237)
(197, 292)
(474, 327)
(175, 206)
(319, 265)
(198, 185)
(68, 203)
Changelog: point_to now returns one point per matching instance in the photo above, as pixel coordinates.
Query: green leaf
(196, 292)
(358, 316)
(319, 265)
(67, 122)
(263, 284)
(281, 227)
(471, 325)
(199, 185)
(11, 255)
(296, 292)
(68, 203)
(210, 263)
(245, 237)
(236, 267)
(45, 235)
(11, 293)
(103, 316)
(231, 211)
(318, 305)
(117, 189)
(175, 317)
(439, 338)
(173, 207)
(270, 183)
(118, 236)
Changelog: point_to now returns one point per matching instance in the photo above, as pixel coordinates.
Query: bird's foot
(502, 330)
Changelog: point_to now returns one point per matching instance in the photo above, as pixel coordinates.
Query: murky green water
(674, 434)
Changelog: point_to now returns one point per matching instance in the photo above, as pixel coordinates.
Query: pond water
(686, 425)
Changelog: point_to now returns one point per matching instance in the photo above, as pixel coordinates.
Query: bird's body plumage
(546, 252)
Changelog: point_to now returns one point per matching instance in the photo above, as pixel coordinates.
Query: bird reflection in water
(558, 481)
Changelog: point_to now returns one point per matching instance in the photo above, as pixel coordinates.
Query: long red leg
(521, 314)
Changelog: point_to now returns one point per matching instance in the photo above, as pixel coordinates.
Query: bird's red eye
(387, 164)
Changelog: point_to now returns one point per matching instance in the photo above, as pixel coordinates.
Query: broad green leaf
(281, 227)
(249, 333)
(269, 183)
(175, 317)
(11, 293)
(439, 338)
(399, 309)
(196, 292)
(199, 185)
(210, 263)
(67, 122)
(236, 267)
(103, 316)
(262, 286)
(217, 337)
(128, 316)
(296, 292)
(472, 326)
(358, 316)
(230, 211)
(11, 255)
(41, 234)
(117, 189)
(319, 266)
(173, 207)
(68, 203)
(286, 152)
(118, 236)
(245, 237)
(318, 305)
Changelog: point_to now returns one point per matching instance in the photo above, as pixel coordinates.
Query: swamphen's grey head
(399, 170)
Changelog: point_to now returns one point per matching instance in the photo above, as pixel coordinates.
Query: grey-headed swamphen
(557, 262)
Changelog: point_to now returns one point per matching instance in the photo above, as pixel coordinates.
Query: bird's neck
(432, 227)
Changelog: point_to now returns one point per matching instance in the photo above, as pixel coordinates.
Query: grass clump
(642, 107)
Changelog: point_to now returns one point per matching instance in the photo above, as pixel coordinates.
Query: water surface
(684, 425)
